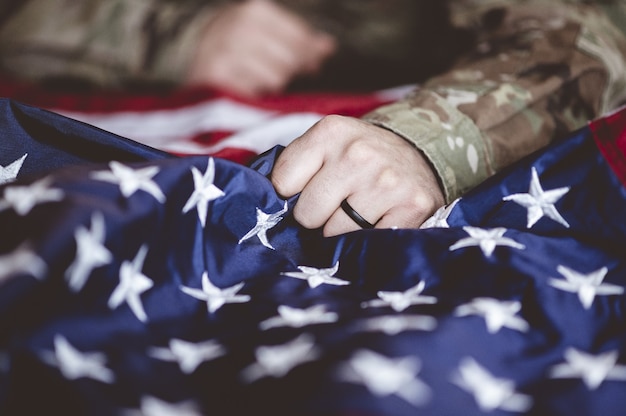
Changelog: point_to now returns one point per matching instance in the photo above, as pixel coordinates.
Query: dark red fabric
(104, 101)
(609, 133)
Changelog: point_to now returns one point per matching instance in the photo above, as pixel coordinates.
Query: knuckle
(332, 122)
(270, 80)
(218, 71)
(359, 152)
(281, 179)
(325, 131)
(253, 8)
(276, 83)
(331, 231)
(281, 184)
(388, 180)
(300, 215)
(422, 205)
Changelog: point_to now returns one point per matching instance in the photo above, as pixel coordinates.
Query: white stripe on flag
(156, 127)
(280, 130)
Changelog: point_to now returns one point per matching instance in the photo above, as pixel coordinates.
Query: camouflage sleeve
(540, 69)
(108, 42)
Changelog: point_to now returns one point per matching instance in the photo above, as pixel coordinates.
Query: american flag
(201, 121)
(136, 282)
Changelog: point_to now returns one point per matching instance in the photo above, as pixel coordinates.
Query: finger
(269, 64)
(284, 24)
(299, 162)
(308, 46)
(383, 211)
(402, 216)
(317, 53)
(239, 80)
(257, 75)
(267, 76)
(343, 221)
(292, 57)
(339, 223)
(321, 196)
(279, 56)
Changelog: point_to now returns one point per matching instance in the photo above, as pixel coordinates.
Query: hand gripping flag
(133, 283)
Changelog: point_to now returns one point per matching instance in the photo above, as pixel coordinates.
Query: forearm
(106, 42)
(546, 68)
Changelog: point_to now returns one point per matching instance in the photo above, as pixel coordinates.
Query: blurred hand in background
(258, 47)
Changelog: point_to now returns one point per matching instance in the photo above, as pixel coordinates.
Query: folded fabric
(136, 283)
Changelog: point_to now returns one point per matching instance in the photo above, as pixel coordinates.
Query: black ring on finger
(355, 216)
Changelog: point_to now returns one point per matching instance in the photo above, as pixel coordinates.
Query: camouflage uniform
(536, 69)
(540, 68)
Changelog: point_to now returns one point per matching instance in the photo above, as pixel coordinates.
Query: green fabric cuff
(448, 138)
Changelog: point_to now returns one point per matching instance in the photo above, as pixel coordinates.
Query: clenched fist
(383, 177)
(256, 48)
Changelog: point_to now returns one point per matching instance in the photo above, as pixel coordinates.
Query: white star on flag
(487, 240)
(385, 377)
(490, 393)
(399, 301)
(188, 355)
(10, 172)
(497, 314)
(587, 286)
(215, 297)
(75, 364)
(24, 198)
(131, 180)
(298, 318)
(90, 253)
(394, 325)
(540, 203)
(277, 361)
(592, 369)
(132, 284)
(205, 191)
(316, 277)
(151, 406)
(264, 223)
(22, 260)
(440, 218)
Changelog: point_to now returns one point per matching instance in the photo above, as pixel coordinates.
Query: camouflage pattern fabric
(540, 69)
(109, 43)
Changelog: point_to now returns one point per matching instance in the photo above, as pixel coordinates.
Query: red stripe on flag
(609, 134)
(241, 156)
(104, 101)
